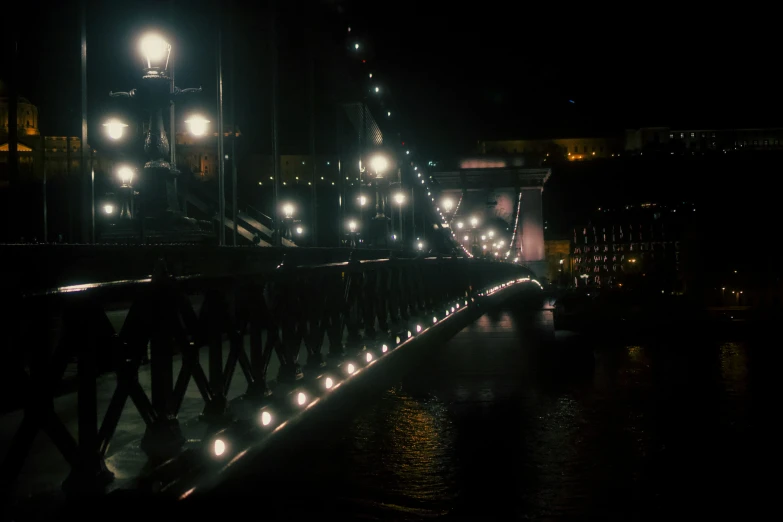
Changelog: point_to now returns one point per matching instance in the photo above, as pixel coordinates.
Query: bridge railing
(259, 309)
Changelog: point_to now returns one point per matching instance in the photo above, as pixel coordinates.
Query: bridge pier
(531, 239)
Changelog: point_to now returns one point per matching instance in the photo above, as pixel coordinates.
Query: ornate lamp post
(475, 247)
(399, 198)
(379, 231)
(125, 174)
(353, 233)
(158, 210)
(286, 230)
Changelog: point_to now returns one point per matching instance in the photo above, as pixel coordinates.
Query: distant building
(572, 149)
(635, 141)
(702, 140)
(634, 245)
(60, 154)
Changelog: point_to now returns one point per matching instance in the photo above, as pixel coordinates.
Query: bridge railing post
(257, 318)
(288, 311)
(88, 472)
(163, 438)
(352, 317)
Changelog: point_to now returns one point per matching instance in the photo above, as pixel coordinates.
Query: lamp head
(115, 128)
(156, 52)
(125, 174)
(198, 125)
(379, 164)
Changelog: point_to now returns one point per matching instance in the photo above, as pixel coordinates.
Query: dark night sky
(494, 69)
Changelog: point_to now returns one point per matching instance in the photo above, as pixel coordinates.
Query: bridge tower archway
(503, 195)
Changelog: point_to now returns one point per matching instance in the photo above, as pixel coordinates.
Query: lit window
(693, 134)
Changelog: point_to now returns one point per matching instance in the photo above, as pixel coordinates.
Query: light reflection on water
(510, 424)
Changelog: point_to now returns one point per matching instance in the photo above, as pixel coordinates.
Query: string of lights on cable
(374, 89)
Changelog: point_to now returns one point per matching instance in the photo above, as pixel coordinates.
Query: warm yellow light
(115, 128)
(328, 383)
(125, 174)
(362, 200)
(379, 164)
(368, 357)
(266, 418)
(352, 226)
(198, 125)
(399, 198)
(288, 210)
(460, 225)
(154, 48)
(301, 398)
(448, 204)
(219, 447)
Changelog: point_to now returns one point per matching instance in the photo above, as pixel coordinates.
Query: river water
(510, 421)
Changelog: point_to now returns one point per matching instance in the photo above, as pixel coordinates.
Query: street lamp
(448, 204)
(379, 164)
(299, 231)
(125, 173)
(159, 208)
(362, 200)
(108, 208)
(288, 219)
(474, 222)
(491, 233)
(379, 234)
(399, 198)
(198, 125)
(353, 232)
(115, 128)
(460, 224)
(156, 51)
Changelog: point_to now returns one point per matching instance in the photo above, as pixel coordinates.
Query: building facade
(638, 141)
(632, 246)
